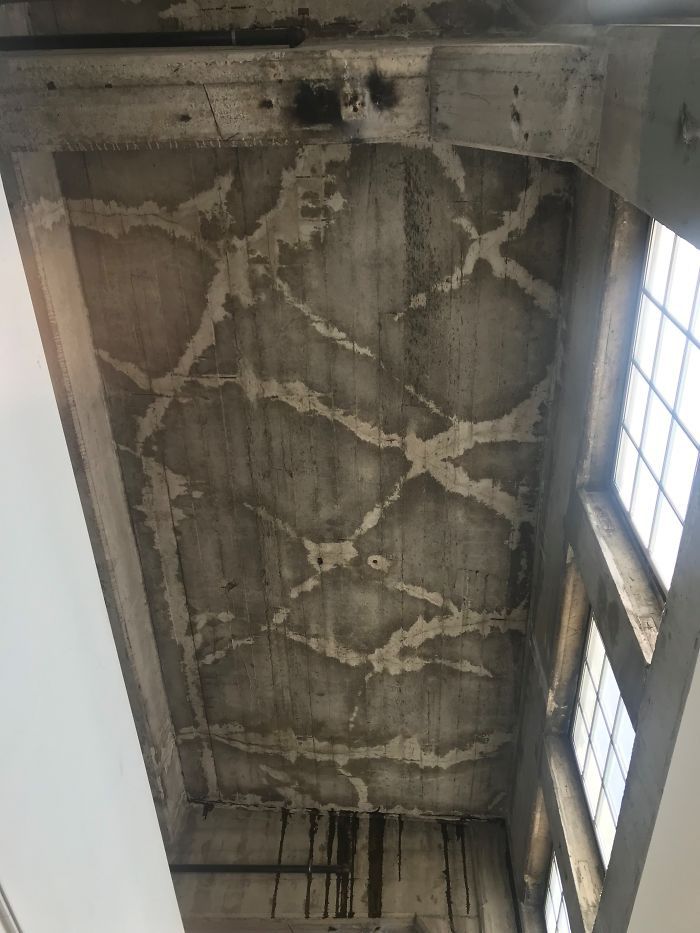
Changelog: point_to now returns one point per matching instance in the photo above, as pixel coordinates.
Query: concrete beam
(571, 830)
(369, 92)
(626, 606)
(534, 98)
(650, 130)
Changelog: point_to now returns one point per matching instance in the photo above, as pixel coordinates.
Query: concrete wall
(81, 850)
(457, 871)
(328, 371)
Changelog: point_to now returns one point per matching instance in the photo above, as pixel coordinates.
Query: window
(603, 737)
(555, 916)
(660, 432)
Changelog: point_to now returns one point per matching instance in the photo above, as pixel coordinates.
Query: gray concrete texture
(455, 870)
(328, 373)
(320, 18)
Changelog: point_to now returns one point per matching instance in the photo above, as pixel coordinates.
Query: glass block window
(660, 432)
(603, 737)
(555, 916)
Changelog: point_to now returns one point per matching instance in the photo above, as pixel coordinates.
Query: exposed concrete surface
(324, 18)
(328, 372)
(398, 868)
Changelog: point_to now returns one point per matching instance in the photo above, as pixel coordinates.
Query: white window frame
(556, 915)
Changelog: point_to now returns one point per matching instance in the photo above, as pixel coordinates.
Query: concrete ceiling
(328, 371)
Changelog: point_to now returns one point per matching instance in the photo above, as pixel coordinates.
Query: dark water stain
(399, 844)
(459, 829)
(283, 829)
(375, 853)
(317, 104)
(382, 90)
(266, 104)
(345, 856)
(330, 838)
(313, 827)
(446, 873)
(354, 827)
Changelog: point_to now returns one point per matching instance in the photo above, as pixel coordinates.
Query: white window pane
(555, 888)
(563, 925)
(609, 694)
(644, 503)
(605, 829)
(647, 334)
(591, 782)
(580, 739)
(636, 405)
(683, 281)
(667, 538)
(595, 653)
(614, 781)
(624, 738)
(600, 739)
(656, 431)
(689, 398)
(550, 916)
(625, 469)
(669, 359)
(659, 262)
(680, 468)
(587, 698)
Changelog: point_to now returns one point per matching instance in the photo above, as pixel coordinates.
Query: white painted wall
(668, 898)
(80, 847)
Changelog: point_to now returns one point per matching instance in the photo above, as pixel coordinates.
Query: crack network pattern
(346, 646)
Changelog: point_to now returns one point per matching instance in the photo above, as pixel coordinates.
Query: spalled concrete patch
(328, 372)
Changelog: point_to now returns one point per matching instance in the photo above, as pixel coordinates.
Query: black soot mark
(382, 90)
(266, 104)
(317, 103)
(375, 853)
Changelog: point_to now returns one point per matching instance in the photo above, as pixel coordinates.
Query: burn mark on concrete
(317, 105)
(375, 856)
(382, 90)
(284, 819)
(446, 874)
(266, 104)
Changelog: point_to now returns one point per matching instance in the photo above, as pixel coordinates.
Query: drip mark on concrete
(446, 873)
(399, 845)
(330, 838)
(375, 853)
(459, 829)
(283, 830)
(313, 826)
(343, 853)
(354, 826)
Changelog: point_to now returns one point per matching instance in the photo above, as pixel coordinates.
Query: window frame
(621, 431)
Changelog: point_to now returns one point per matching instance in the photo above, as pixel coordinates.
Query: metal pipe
(290, 37)
(259, 869)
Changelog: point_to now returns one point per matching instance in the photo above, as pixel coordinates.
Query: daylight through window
(660, 431)
(603, 737)
(555, 915)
